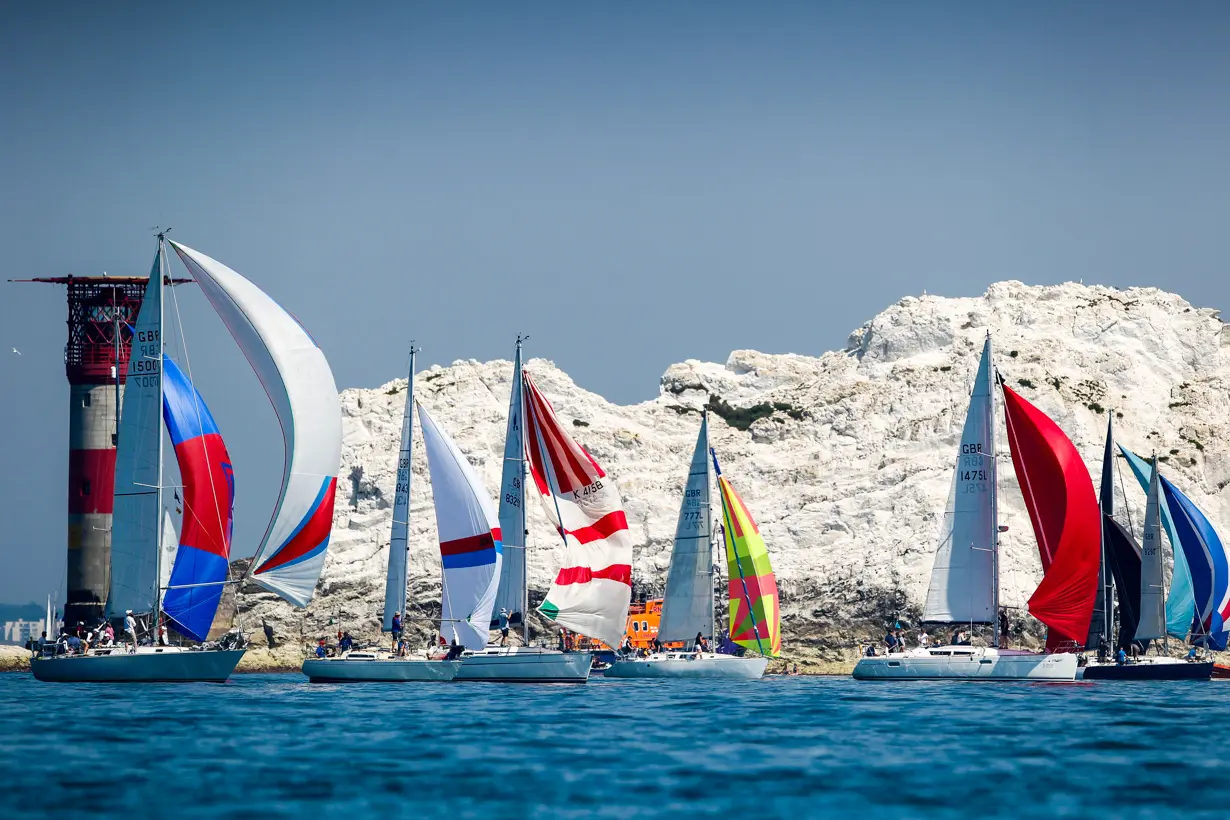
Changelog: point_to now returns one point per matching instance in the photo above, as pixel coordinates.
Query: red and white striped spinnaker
(594, 586)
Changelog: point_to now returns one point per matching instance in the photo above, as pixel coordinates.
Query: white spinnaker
(170, 548)
(962, 586)
(135, 521)
(687, 607)
(511, 592)
(300, 385)
(399, 537)
(469, 538)
(1152, 623)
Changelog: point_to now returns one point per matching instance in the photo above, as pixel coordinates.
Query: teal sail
(1180, 603)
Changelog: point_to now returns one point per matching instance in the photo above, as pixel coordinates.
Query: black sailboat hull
(1149, 670)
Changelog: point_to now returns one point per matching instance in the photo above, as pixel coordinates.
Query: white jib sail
(170, 548)
(136, 521)
(299, 383)
(511, 592)
(1152, 624)
(469, 532)
(962, 586)
(688, 605)
(399, 538)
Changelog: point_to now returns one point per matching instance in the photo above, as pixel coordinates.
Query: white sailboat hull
(525, 665)
(967, 663)
(371, 668)
(148, 665)
(686, 665)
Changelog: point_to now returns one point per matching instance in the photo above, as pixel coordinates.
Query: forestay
(137, 520)
(208, 479)
(962, 588)
(593, 588)
(470, 549)
(300, 385)
(687, 608)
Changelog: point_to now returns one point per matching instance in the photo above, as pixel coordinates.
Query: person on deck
(395, 629)
(320, 648)
(890, 641)
(655, 644)
(130, 626)
(503, 626)
(346, 643)
(1192, 654)
(163, 639)
(924, 640)
(1004, 625)
(627, 648)
(1121, 657)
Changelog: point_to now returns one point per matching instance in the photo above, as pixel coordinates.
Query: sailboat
(300, 386)
(1135, 572)
(592, 590)
(470, 553)
(688, 608)
(964, 585)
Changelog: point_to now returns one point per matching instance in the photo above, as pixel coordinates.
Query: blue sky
(632, 184)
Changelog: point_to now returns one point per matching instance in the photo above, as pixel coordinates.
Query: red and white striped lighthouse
(100, 312)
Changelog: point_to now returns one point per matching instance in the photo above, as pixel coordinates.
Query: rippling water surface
(268, 746)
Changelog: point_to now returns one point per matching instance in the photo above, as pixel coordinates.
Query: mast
(994, 502)
(162, 272)
(397, 574)
(525, 533)
(704, 420)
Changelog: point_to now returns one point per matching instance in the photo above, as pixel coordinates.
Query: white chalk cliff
(846, 465)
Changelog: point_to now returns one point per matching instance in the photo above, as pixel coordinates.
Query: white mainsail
(300, 385)
(962, 588)
(170, 548)
(1152, 623)
(687, 608)
(399, 538)
(511, 592)
(136, 523)
(469, 538)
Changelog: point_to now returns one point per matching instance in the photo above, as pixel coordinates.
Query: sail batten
(469, 530)
(300, 386)
(962, 587)
(592, 590)
(687, 606)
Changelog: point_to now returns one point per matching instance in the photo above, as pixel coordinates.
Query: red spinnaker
(1064, 510)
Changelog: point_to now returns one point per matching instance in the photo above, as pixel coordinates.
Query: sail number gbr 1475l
(972, 470)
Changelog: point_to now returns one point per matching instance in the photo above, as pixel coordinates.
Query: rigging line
(196, 406)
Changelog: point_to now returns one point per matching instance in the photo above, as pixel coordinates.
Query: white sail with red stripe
(594, 586)
(470, 548)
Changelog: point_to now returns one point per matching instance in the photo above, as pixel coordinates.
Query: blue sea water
(274, 746)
